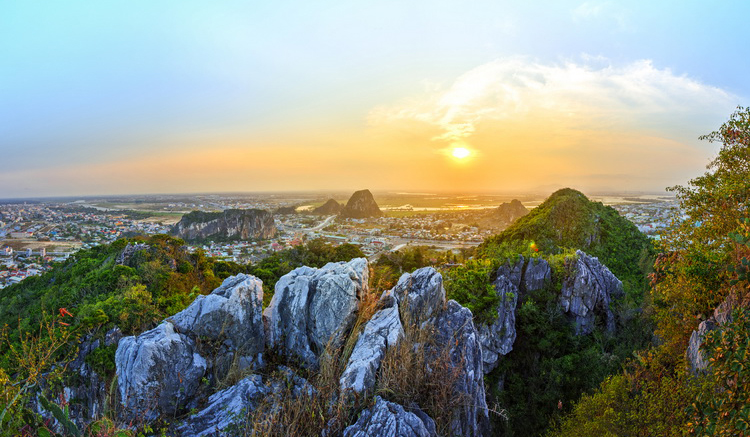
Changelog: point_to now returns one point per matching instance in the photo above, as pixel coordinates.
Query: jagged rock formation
(160, 370)
(314, 306)
(331, 207)
(497, 339)
(88, 398)
(361, 205)
(390, 419)
(157, 371)
(722, 314)
(507, 213)
(232, 224)
(514, 281)
(225, 408)
(588, 293)
(232, 315)
(129, 251)
(420, 295)
(383, 330)
(457, 337)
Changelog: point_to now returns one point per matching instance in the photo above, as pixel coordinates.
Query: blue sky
(127, 97)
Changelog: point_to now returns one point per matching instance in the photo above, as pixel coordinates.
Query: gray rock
(457, 337)
(157, 371)
(513, 270)
(381, 332)
(497, 338)
(537, 274)
(232, 313)
(312, 307)
(234, 224)
(697, 362)
(588, 293)
(390, 419)
(420, 295)
(225, 408)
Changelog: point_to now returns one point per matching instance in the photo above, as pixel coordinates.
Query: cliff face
(232, 224)
(328, 208)
(361, 205)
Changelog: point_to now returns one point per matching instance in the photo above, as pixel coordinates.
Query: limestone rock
(231, 224)
(381, 332)
(508, 212)
(390, 419)
(513, 270)
(536, 275)
(588, 293)
(157, 371)
(224, 408)
(497, 338)
(420, 295)
(457, 337)
(314, 306)
(232, 313)
(361, 205)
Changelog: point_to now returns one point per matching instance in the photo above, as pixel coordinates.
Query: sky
(113, 97)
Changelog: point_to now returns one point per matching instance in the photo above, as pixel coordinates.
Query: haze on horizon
(492, 96)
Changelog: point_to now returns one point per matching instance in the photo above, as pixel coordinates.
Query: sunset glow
(460, 152)
(243, 96)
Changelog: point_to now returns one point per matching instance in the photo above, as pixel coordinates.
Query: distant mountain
(329, 208)
(231, 224)
(361, 205)
(568, 219)
(283, 210)
(507, 213)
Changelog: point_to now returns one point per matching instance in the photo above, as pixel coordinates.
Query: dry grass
(287, 413)
(420, 371)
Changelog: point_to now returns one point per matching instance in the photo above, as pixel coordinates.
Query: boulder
(381, 332)
(157, 371)
(588, 292)
(390, 419)
(497, 338)
(231, 314)
(225, 408)
(456, 336)
(420, 295)
(312, 307)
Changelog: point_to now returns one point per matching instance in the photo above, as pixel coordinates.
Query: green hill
(569, 220)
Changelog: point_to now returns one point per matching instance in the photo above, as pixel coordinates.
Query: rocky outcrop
(515, 280)
(224, 408)
(157, 371)
(587, 293)
(507, 213)
(312, 307)
(124, 257)
(420, 295)
(697, 361)
(457, 337)
(331, 207)
(160, 370)
(390, 419)
(497, 338)
(384, 330)
(231, 314)
(361, 205)
(231, 224)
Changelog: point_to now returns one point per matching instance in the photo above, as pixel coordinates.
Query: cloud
(588, 113)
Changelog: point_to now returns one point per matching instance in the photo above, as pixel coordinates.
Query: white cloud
(575, 96)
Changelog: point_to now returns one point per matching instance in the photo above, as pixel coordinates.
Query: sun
(460, 152)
